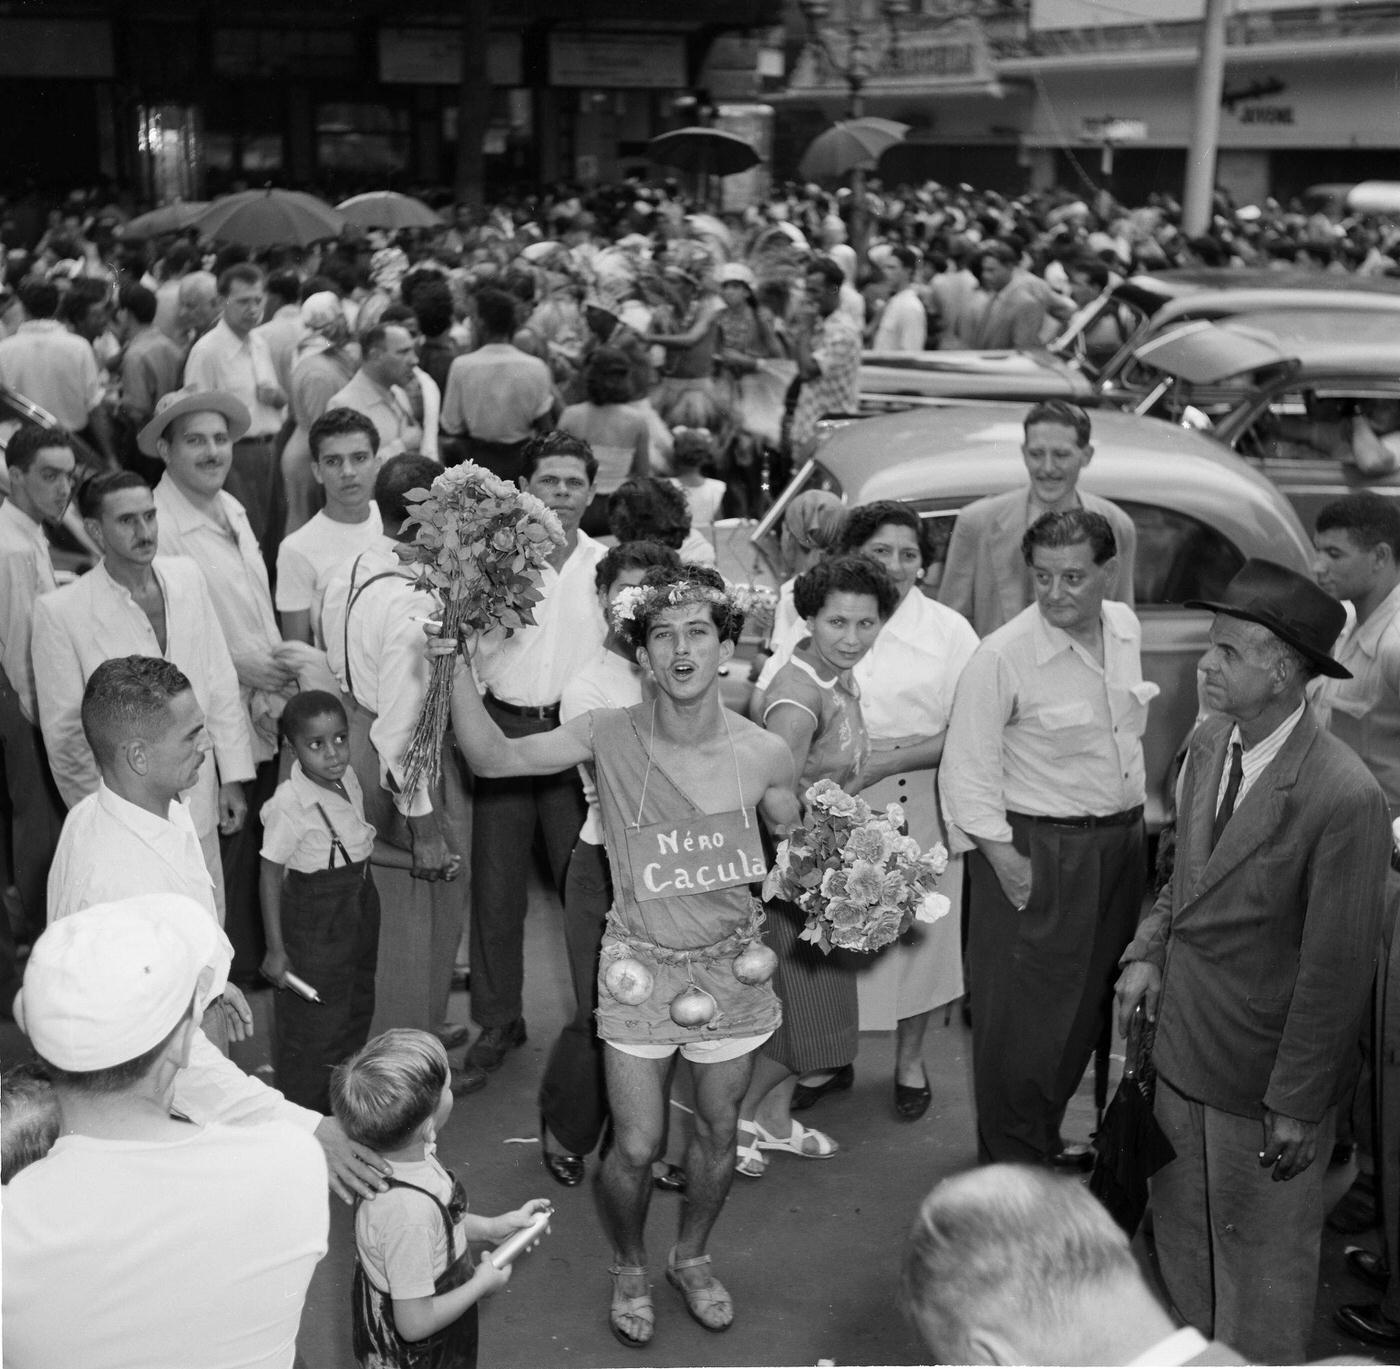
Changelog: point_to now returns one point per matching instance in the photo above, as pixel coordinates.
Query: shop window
(361, 141)
(238, 156)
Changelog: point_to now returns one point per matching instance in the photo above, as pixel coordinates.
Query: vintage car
(1200, 512)
(1137, 309)
(1280, 389)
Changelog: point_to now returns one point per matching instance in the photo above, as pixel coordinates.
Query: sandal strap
(616, 1269)
(691, 1263)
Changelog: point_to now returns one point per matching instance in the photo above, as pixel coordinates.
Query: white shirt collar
(1181, 1347)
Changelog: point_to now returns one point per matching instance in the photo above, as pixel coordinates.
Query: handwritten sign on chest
(713, 852)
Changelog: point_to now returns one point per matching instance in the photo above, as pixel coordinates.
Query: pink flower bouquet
(859, 879)
(480, 546)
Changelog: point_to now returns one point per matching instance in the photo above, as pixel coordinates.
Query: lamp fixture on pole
(850, 36)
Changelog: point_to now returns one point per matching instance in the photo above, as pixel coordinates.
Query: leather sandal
(749, 1162)
(639, 1309)
(710, 1303)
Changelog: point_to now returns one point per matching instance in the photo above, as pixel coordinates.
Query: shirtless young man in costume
(681, 782)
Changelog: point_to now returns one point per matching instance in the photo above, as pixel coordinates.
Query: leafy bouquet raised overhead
(480, 546)
(860, 880)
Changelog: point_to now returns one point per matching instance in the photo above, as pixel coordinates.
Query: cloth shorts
(699, 1052)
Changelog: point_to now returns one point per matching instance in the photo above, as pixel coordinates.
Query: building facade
(192, 98)
(1014, 94)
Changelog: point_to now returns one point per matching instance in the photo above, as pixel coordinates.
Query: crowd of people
(205, 741)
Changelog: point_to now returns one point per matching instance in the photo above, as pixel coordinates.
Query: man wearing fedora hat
(143, 1237)
(1256, 965)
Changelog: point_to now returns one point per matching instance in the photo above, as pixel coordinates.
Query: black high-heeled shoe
(804, 1095)
(565, 1169)
(911, 1102)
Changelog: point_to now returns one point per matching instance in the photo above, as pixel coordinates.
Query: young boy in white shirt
(319, 904)
(344, 461)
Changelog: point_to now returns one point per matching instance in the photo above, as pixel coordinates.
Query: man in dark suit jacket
(1256, 964)
(985, 577)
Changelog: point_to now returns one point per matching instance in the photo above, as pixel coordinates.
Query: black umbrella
(709, 151)
(1131, 1145)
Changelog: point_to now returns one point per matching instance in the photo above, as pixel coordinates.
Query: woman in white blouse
(906, 694)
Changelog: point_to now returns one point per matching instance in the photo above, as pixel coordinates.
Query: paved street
(810, 1251)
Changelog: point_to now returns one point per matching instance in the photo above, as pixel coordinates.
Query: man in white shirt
(192, 435)
(373, 616)
(143, 1238)
(344, 462)
(1066, 1288)
(387, 361)
(135, 603)
(524, 677)
(496, 395)
(55, 368)
(1358, 559)
(134, 837)
(232, 357)
(41, 466)
(903, 325)
(1043, 781)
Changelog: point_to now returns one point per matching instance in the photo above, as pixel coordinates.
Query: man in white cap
(143, 1237)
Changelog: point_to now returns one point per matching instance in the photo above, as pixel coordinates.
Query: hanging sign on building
(433, 57)
(910, 58)
(614, 61)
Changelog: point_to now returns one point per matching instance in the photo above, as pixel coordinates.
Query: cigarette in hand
(298, 985)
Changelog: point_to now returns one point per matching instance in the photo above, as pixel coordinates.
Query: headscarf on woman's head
(813, 520)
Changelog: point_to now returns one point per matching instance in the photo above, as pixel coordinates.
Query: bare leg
(909, 1050)
(709, 1159)
(637, 1098)
(769, 1098)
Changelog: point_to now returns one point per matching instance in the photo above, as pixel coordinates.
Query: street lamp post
(854, 45)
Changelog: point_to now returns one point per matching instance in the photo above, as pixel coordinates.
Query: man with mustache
(136, 603)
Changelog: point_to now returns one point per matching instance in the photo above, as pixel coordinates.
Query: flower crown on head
(636, 605)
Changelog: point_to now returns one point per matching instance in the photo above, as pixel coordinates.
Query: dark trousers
(1045, 977)
(35, 810)
(573, 1099)
(507, 814)
(255, 480)
(330, 926)
(242, 868)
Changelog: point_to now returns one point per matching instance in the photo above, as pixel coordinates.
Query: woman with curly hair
(814, 706)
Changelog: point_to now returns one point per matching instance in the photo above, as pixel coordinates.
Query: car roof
(999, 374)
(1307, 341)
(967, 451)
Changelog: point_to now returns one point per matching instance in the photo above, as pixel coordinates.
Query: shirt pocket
(1069, 728)
(1135, 704)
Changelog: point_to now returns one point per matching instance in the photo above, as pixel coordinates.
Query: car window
(1316, 424)
(1178, 557)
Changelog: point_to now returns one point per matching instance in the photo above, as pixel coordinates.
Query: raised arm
(492, 754)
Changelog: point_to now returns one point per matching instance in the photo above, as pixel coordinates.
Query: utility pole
(1205, 123)
(473, 104)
